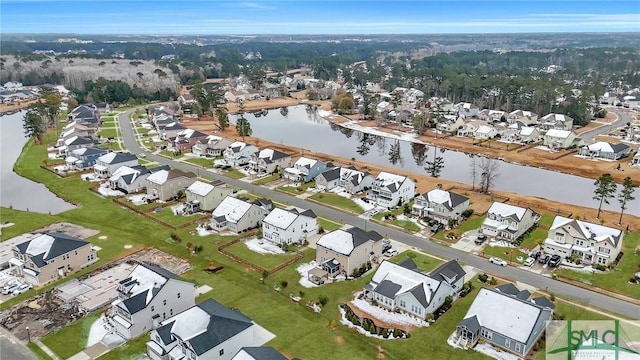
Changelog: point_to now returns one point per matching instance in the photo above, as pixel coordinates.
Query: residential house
(390, 190)
(102, 107)
(450, 124)
(186, 99)
(50, 256)
(343, 251)
(269, 161)
(235, 96)
(404, 288)
(465, 110)
(440, 205)
(271, 91)
(485, 132)
(108, 163)
(635, 162)
(605, 150)
(170, 130)
(593, 243)
(528, 134)
(203, 196)
(185, 139)
(237, 215)
(211, 146)
(149, 295)
(166, 184)
(258, 353)
(491, 115)
(355, 181)
(523, 116)
(508, 222)
(329, 179)
(520, 324)
(208, 330)
(556, 121)
(284, 227)
(83, 113)
(75, 142)
(469, 129)
(559, 139)
(304, 170)
(83, 158)
(238, 154)
(78, 128)
(129, 179)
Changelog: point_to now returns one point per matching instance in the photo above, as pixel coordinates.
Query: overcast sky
(315, 17)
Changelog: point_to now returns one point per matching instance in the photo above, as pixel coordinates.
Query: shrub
(301, 293)
(374, 302)
(483, 277)
(601, 267)
(467, 213)
(320, 230)
(493, 281)
(429, 317)
(259, 234)
(284, 284)
(323, 300)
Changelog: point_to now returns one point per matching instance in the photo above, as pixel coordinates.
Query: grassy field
(40, 354)
(201, 161)
(235, 174)
(297, 190)
(406, 224)
(506, 253)
(128, 351)
(72, 339)
(265, 261)
(170, 154)
(328, 225)
(169, 217)
(267, 179)
(424, 262)
(106, 133)
(617, 279)
(534, 238)
(338, 201)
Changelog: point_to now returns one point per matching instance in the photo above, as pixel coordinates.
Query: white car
(142, 155)
(22, 288)
(529, 261)
(391, 252)
(497, 261)
(8, 289)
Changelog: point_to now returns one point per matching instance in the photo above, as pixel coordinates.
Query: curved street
(541, 282)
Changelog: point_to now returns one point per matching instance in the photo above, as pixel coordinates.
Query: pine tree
(605, 189)
(626, 195)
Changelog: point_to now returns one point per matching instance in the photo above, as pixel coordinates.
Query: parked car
(497, 261)
(8, 289)
(391, 252)
(22, 288)
(436, 227)
(535, 254)
(480, 239)
(555, 260)
(544, 258)
(433, 222)
(529, 261)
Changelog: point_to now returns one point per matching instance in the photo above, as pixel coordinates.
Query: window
(507, 343)
(153, 308)
(164, 315)
(518, 348)
(560, 237)
(170, 312)
(178, 295)
(75, 252)
(221, 352)
(164, 302)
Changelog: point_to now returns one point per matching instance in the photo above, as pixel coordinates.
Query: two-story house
(237, 215)
(559, 139)
(185, 139)
(523, 116)
(520, 324)
(83, 158)
(211, 146)
(556, 121)
(390, 190)
(203, 196)
(238, 154)
(76, 142)
(440, 205)
(508, 222)
(284, 227)
(149, 295)
(50, 256)
(304, 170)
(269, 161)
(343, 251)
(208, 330)
(108, 163)
(404, 288)
(166, 184)
(593, 243)
(129, 179)
(355, 181)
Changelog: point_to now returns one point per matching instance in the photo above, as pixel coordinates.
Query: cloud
(253, 5)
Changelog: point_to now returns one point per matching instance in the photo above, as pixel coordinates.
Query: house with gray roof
(238, 153)
(343, 251)
(406, 289)
(50, 256)
(350, 178)
(390, 190)
(211, 146)
(208, 330)
(83, 158)
(521, 322)
(329, 179)
(508, 222)
(166, 184)
(440, 205)
(238, 215)
(269, 161)
(258, 353)
(304, 170)
(605, 150)
(286, 226)
(149, 295)
(108, 163)
(202, 196)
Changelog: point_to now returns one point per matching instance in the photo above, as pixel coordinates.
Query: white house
(211, 146)
(129, 179)
(465, 110)
(605, 150)
(108, 163)
(405, 288)
(288, 226)
(203, 196)
(268, 161)
(237, 215)
(508, 222)
(238, 153)
(635, 162)
(389, 190)
(593, 243)
(556, 121)
(440, 205)
(485, 132)
(304, 170)
(206, 331)
(559, 139)
(149, 295)
(343, 251)
(525, 117)
(258, 353)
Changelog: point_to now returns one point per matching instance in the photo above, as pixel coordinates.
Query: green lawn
(114, 146)
(533, 238)
(129, 350)
(234, 173)
(170, 154)
(169, 217)
(297, 190)
(200, 161)
(509, 254)
(546, 220)
(424, 262)
(106, 133)
(471, 223)
(265, 261)
(328, 225)
(617, 279)
(338, 201)
(267, 179)
(406, 224)
(40, 354)
(72, 339)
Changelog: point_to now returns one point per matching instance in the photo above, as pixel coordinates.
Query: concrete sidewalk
(46, 349)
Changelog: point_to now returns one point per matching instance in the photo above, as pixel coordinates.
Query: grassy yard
(533, 238)
(424, 262)
(406, 224)
(329, 225)
(234, 173)
(129, 350)
(297, 190)
(72, 339)
(617, 279)
(338, 201)
(506, 253)
(114, 146)
(267, 179)
(169, 217)
(206, 163)
(107, 133)
(40, 354)
(170, 154)
(266, 261)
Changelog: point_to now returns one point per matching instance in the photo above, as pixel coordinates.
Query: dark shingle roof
(508, 289)
(137, 302)
(457, 199)
(360, 236)
(388, 289)
(408, 263)
(224, 323)
(450, 272)
(309, 213)
(543, 302)
(161, 271)
(619, 147)
(471, 323)
(331, 175)
(418, 293)
(523, 295)
(165, 332)
(263, 353)
(61, 244)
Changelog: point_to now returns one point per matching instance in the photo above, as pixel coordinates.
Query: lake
(308, 130)
(15, 191)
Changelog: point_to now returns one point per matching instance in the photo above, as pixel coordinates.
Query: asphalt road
(515, 274)
(623, 118)
(13, 349)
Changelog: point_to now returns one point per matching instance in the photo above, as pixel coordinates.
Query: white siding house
(440, 205)
(237, 215)
(304, 170)
(238, 153)
(204, 196)
(107, 164)
(390, 190)
(559, 139)
(508, 222)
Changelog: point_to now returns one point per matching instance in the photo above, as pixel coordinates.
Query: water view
(306, 129)
(15, 191)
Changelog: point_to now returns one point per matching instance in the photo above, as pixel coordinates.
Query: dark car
(433, 222)
(555, 260)
(544, 258)
(535, 254)
(436, 227)
(480, 239)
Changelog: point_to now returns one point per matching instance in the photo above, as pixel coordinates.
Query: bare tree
(488, 173)
(473, 168)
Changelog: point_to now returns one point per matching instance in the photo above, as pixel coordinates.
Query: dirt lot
(69, 229)
(15, 107)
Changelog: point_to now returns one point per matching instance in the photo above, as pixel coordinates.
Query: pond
(305, 128)
(15, 191)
